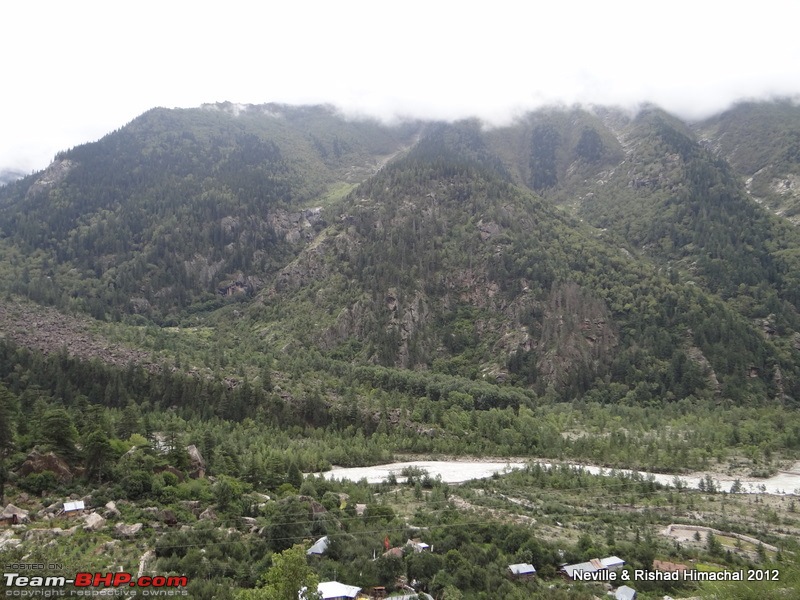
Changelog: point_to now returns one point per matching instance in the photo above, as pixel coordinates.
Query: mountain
(669, 194)
(579, 251)
(761, 142)
(178, 205)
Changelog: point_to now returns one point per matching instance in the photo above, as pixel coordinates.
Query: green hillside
(162, 214)
(761, 141)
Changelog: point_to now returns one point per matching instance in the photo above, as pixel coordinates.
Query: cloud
(89, 67)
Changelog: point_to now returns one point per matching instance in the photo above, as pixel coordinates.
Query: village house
(74, 508)
(625, 593)
(418, 545)
(593, 566)
(333, 590)
(319, 548)
(522, 571)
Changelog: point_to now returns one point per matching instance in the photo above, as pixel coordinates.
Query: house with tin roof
(522, 571)
(334, 590)
(594, 565)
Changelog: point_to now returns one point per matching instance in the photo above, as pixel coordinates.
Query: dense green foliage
(160, 215)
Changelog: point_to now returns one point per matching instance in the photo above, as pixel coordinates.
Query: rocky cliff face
(51, 176)
(578, 335)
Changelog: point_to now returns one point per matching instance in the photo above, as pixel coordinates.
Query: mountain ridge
(424, 245)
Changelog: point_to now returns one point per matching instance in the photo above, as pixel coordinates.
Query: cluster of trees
(91, 414)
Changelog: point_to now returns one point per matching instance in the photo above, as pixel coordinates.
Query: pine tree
(58, 433)
(98, 455)
(294, 476)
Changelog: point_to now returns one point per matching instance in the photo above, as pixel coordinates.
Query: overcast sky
(74, 71)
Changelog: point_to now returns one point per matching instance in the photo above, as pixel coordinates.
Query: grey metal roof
(522, 569)
(625, 593)
(319, 547)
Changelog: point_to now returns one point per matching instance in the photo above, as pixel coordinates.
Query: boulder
(316, 507)
(41, 534)
(192, 505)
(111, 507)
(36, 462)
(94, 522)
(14, 514)
(197, 466)
(171, 469)
(208, 515)
(106, 548)
(128, 530)
(9, 544)
(52, 509)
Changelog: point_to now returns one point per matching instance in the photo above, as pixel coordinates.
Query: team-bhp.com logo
(88, 584)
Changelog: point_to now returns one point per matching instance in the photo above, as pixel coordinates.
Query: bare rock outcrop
(49, 331)
(197, 465)
(36, 462)
(577, 334)
(406, 320)
(52, 175)
(295, 226)
(208, 515)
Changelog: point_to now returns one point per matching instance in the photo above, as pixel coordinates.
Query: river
(459, 471)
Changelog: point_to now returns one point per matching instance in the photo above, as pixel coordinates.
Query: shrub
(36, 483)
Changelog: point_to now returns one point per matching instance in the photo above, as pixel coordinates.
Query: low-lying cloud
(91, 69)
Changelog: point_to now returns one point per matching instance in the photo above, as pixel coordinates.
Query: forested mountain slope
(761, 141)
(440, 261)
(179, 204)
(428, 246)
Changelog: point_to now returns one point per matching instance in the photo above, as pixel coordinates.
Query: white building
(333, 590)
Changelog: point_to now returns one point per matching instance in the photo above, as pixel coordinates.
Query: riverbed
(459, 471)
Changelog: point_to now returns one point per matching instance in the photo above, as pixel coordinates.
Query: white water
(459, 471)
(451, 471)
